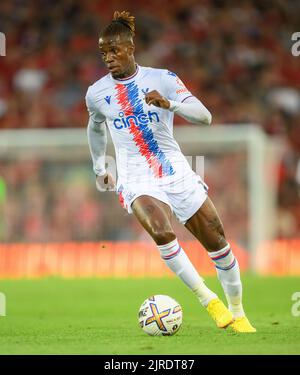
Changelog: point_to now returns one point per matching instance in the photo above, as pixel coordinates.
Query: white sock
(229, 275)
(177, 260)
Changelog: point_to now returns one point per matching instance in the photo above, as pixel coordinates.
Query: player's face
(117, 55)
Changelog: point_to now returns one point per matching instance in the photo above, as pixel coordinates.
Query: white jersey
(142, 134)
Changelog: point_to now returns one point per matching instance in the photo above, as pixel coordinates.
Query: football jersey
(142, 135)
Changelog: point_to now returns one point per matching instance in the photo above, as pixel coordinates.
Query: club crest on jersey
(139, 119)
(107, 99)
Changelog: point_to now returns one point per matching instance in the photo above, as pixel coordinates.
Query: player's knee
(163, 235)
(221, 240)
(218, 240)
(218, 243)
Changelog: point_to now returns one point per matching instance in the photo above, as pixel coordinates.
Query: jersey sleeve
(93, 111)
(175, 88)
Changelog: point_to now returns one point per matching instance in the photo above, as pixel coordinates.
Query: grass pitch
(94, 316)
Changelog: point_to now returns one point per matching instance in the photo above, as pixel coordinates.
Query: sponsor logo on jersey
(139, 119)
(182, 89)
(131, 105)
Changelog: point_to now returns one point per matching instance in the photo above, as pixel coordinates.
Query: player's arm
(179, 100)
(191, 109)
(97, 140)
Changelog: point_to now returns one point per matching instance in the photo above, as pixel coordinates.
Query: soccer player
(137, 105)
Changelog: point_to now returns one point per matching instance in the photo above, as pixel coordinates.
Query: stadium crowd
(235, 56)
(58, 201)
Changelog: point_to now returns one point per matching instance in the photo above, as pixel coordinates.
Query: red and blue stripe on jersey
(130, 103)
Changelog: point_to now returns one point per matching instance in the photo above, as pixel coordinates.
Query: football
(160, 315)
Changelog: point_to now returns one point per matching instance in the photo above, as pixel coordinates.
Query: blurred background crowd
(234, 55)
(42, 201)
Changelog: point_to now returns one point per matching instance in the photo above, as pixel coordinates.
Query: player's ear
(131, 48)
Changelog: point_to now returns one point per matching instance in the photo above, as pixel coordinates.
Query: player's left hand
(155, 98)
(105, 182)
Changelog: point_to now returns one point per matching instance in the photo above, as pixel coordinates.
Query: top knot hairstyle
(122, 23)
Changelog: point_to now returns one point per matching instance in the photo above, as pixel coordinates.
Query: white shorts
(184, 196)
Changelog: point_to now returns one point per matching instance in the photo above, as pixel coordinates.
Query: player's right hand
(155, 98)
(105, 182)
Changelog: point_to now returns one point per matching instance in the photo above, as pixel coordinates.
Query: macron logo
(107, 99)
(145, 90)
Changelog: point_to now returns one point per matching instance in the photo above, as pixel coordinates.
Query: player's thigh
(207, 227)
(155, 217)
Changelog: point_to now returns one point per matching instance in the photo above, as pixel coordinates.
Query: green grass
(94, 316)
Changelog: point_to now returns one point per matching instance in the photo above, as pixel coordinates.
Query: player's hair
(122, 23)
